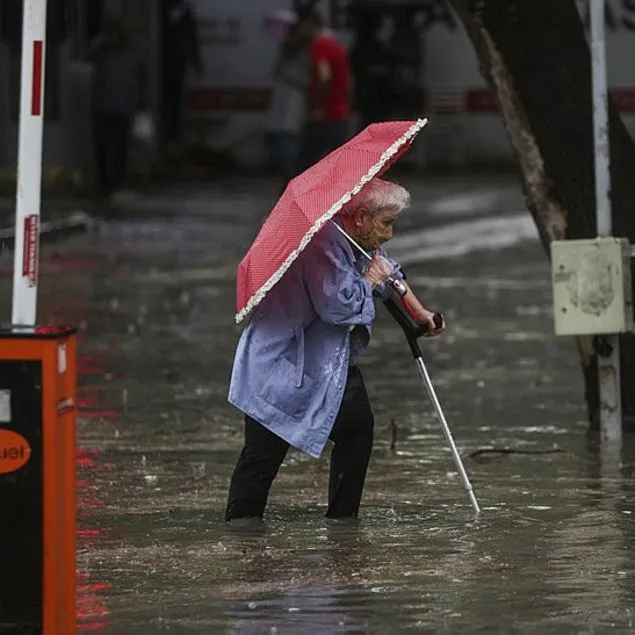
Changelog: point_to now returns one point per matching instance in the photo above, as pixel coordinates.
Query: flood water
(152, 292)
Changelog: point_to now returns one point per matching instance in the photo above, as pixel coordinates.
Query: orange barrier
(37, 480)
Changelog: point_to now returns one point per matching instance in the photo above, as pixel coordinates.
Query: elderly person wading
(295, 374)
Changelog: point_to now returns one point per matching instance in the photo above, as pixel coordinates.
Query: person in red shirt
(330, 87)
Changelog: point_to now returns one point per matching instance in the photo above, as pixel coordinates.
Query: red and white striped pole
(29, 187)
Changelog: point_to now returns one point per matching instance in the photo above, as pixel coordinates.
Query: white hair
(379, 194)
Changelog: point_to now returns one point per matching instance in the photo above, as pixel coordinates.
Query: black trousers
(264, 452)
(112, 135)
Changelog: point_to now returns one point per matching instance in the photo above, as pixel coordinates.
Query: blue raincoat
(292, 359)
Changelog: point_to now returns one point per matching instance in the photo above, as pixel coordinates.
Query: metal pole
(448, 434)
(608, 367)
(28, 196)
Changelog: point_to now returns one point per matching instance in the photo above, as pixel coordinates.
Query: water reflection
(92, 532)
(341, 552)
(319, 611)
(92, 612)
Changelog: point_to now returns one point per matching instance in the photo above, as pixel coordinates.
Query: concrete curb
(57, 228)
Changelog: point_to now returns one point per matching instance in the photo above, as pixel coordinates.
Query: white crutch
(413, 329)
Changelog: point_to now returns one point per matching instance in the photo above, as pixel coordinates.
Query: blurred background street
(153, 296)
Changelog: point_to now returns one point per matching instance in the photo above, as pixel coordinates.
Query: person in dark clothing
(287, 108)
(180, 52)
(118, 92)
(371, 65)
(329, 96)
(296, 374)
(406, 55)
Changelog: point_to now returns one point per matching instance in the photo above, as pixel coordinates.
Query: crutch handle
(412, 328)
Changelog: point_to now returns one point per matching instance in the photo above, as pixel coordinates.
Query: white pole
(28, 196)
(608, 367)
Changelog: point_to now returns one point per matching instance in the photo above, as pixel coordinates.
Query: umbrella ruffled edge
(258, 297)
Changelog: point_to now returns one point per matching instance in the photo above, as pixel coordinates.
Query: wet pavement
(152, 291)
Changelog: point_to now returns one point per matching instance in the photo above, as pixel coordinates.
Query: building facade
(226, 105)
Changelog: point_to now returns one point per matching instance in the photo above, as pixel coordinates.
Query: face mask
(374, 238)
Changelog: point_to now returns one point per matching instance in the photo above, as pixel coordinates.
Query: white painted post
(608, 367)
(28, 196)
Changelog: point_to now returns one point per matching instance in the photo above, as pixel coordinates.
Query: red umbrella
(311, 199)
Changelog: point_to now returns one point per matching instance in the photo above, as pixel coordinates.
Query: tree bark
(535, 57)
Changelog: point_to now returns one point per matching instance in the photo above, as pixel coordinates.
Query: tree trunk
(536, 59)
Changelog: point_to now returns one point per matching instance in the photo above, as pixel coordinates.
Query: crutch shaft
(448, 433)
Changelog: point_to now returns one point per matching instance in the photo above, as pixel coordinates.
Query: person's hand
(379, 270)
(428, 318)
